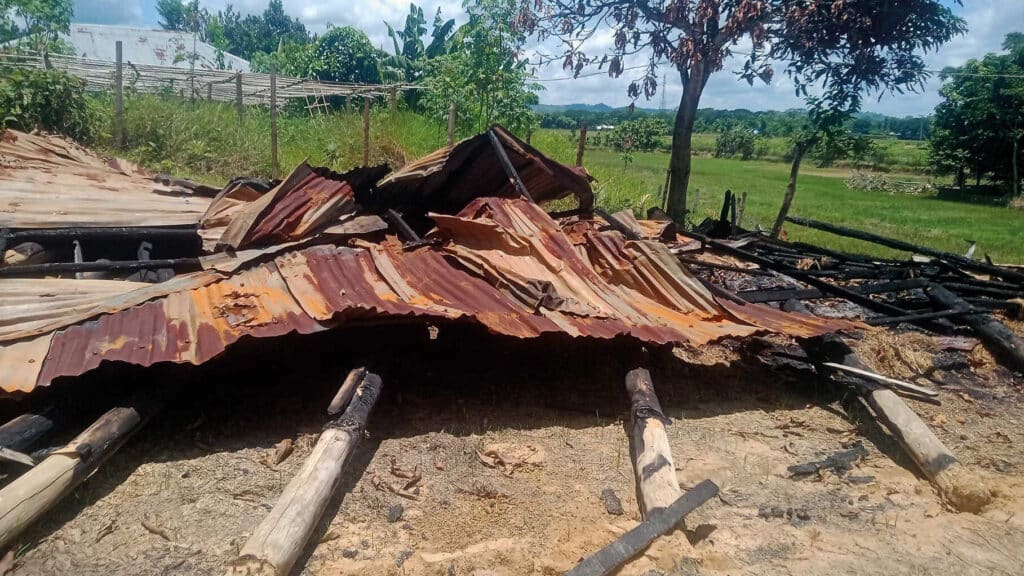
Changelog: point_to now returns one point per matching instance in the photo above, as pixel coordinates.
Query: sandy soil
(182, 496)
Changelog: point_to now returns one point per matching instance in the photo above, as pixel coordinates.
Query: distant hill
(548, 108)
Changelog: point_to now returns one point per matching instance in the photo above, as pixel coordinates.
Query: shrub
(49, 100)
(735, 142)
(643, 135)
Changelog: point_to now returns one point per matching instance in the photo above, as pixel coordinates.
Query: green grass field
(821, 194)
(205, 141)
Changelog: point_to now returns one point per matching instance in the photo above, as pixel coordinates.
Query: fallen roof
(500, 261)
(49, 182)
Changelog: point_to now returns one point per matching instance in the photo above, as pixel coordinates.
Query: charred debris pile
(105, 263)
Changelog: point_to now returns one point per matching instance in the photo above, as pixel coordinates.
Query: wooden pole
(1004, 344)
(23, 431)
(238, 97)
(451, 124)
(119, 139)
(659, 523)
(582, 143)
(366, 131)
(954, 482)
(346, 391)
(277, 542)
(656, 482)
(209, 91)
(274, 167)
(31, 495)
(394, 99)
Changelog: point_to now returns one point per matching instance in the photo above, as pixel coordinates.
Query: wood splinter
(275, 545)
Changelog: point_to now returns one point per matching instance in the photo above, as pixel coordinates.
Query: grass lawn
(821, 195)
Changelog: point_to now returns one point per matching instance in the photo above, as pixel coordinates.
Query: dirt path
(182, 497)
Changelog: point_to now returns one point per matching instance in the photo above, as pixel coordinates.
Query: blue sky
(988, 21)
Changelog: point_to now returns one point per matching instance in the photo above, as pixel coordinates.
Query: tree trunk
(1016, 175)
(798, 155)
(694, 81)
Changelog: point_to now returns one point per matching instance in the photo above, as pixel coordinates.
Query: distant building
(603, 127)
(142, 46)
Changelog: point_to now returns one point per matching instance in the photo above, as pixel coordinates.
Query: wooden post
(394, 99)
(23, 431)
(582, 144)
(740, 208)
(279, 539)
(366, 130)
(238, 97)
(209, 91)
(274, 167)
(32, 494)
(657, 486)
(119, 139)
(451, 124)
(955, 483)
(1002, 342)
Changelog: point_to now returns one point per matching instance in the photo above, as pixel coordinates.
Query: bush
(49, 100)
(643, 135)
(735, 142)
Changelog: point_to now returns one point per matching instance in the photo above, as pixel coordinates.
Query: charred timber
(25, 430)
(966, 263)
(657, 486)
(57, 268)
(506, 164)
(43, 235)
(1002, 342)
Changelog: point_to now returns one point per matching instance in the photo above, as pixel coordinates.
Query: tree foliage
(980, 121)
(35, 24)
(840, 50)
(408, 61)
(640, 135)
(484, 73)
(51, 100)
(344, 55)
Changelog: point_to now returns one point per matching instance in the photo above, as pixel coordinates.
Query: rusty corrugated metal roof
(50, 182)
(449, 178)
(503, 263)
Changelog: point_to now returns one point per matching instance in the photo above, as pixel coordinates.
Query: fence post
(274, 168)
(118, 97)
(451, 124)
(366, 130)
(394, 99)
(238, 97)
(209, 91)
(582, 144)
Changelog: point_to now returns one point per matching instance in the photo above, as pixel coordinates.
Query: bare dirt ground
(184, 494)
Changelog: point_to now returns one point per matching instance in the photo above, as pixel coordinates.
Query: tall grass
(209, 142)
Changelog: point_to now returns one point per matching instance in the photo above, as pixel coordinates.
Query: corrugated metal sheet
(149, 46)
(49, 182)
(446, 180)
(504, 263)
(306, 201)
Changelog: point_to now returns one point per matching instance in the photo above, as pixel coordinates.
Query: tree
(408, 62)
(980, 121)
(484, 73)
(344, 55)
(864, 44)
(226, 30)
(35, 24)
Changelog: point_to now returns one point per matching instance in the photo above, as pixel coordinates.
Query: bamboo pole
(119, 139)
(238, 97)
(366, 131)
(451, 124)
(274, 167)
(277, 542)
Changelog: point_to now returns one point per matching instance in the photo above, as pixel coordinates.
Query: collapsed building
(104, 262)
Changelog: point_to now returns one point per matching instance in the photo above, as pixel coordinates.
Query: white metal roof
(149, 47)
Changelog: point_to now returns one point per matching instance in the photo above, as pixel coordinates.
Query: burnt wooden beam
(112, 233)
(617, 224)
(58, 268)
(1002, 342)
(506, 164)
(960, 261)
(657, 486)
(695, 262)
(32, 494)
(25, 430)
(278, 541)
(660, 522)
(956, 484)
